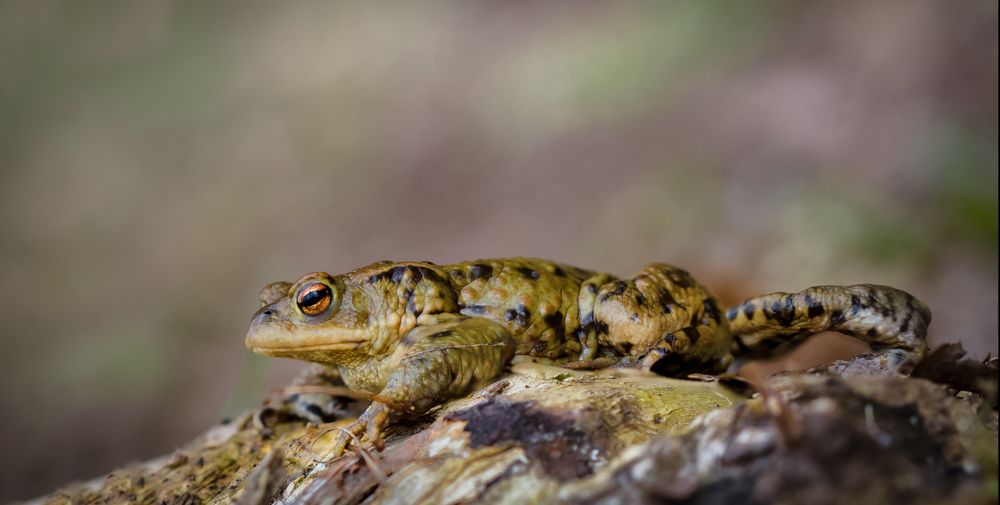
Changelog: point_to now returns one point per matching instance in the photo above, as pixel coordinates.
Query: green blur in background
(160, 162)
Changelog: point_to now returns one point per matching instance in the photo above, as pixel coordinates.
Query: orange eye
(314, 299)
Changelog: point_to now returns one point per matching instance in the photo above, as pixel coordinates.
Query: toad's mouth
(273, 338)
(264, 348)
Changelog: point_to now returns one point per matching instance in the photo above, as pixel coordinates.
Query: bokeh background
(161, 161)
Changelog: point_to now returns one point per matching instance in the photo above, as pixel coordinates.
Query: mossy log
(851, 433)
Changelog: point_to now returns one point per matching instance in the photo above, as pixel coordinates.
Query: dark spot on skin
(480, 271)
(815, 308)
(394, 274)
(627, 347)
(475, 309)
(855, 304)
(400, 273)
(666, 301)
(521, 315)
(871, 332)
(430, 275)
(555, 321)
(783, 311)
(411, 306)
(528, 273)
(790, 309)
(749, 309)
(456, 273)
(200, 462)
(640, 299)
(315, 410)
(679, 277)
(549, 438)
(445, 333)
(620, 287)
(670, 339)
(691, 334)
(905, 327)
(837, 318)
(712, 310)
(558, 272)
(601, 327)
(872, 299)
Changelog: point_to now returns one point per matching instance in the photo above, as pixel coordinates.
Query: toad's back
(536, 300)
(548, 309)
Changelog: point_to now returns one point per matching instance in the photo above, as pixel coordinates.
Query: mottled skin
(416, 334)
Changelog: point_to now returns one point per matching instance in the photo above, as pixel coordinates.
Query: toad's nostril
(264, 314)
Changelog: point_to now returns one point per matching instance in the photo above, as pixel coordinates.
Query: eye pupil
(311, 298)
(314, 299)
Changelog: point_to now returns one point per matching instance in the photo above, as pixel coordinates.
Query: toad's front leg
(432, 364)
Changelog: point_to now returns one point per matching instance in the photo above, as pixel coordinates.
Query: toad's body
(416, 333)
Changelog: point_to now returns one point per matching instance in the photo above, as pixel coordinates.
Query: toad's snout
(256, 338)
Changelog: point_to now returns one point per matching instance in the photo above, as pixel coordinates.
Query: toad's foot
(371, 424)
(317, 395)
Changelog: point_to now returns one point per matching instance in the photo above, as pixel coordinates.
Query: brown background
(159, 162)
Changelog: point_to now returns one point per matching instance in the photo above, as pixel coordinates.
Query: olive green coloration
(416, 334)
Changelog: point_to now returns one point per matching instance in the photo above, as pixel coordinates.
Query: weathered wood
(544, 434)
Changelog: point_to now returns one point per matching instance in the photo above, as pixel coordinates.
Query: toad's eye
(314, 299)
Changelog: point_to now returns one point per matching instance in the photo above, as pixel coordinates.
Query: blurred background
(161, 161)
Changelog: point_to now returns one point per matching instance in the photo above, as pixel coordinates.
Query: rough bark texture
(850, 433)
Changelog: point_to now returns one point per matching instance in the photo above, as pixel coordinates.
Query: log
(849, 433)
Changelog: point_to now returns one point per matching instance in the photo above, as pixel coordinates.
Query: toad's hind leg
(664, 321)
(892, 321)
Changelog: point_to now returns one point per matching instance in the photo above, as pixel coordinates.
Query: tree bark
(852, 432)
